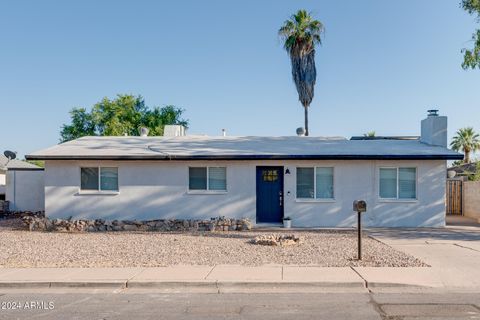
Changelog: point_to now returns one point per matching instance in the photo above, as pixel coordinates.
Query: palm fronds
(466, 140)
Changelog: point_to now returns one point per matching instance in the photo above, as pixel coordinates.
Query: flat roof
(240, 148)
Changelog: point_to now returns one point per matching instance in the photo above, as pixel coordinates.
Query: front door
(269, 194)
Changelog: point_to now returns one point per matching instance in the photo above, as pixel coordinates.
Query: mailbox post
(359, 206)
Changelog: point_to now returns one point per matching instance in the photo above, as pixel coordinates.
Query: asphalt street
(51, 304)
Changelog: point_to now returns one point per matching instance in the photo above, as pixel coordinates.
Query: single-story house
(312, 180)
(22, 185)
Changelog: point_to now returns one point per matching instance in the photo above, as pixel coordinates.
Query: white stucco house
(22, 184)
(313, 180)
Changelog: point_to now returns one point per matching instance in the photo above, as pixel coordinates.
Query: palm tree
(301, 33)
(467, 140)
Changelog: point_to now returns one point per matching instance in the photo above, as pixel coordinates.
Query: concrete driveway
(452, 252)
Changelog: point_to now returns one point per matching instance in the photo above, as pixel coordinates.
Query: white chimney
(434, 129)
(143, 132)
(173, 131)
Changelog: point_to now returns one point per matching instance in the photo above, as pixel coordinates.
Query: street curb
(24, 284)
(207, 285)
(288, 284)
(110, 284)
(185, 285)
(171, 284)
(385, 285)
(63, 284)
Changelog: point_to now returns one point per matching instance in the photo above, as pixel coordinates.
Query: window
(315, 183)
(398, 183)
(99, 178)
(109, 179)
(89, 179)
(207, 178)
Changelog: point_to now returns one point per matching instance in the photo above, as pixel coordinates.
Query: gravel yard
(329, 248)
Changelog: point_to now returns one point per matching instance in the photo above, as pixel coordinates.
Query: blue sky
(381, 66)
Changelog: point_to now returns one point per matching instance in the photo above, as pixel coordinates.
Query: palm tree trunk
(467, 156)
(306, 120)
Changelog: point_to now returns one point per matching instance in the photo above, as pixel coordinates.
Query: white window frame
(315, 199)
(99, 190)
(207, 191)
(398, 199)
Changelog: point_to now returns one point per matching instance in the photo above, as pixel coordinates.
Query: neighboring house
(464, 170)
(22, 184)
(313, 180)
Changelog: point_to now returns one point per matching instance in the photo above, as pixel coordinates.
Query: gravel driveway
(150, 249)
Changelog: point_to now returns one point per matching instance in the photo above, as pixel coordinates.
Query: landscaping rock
(130, 227)
(40, 223)
(277, 240)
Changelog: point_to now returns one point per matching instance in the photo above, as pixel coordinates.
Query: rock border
(38, 223)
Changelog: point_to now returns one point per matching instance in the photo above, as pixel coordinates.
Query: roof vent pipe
(224, 132)
(143, 132)
(301, 132)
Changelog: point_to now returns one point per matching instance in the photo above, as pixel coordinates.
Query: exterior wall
(2, 183)
(2, 178)
(471, 199)
(155, 190)
(25, 190)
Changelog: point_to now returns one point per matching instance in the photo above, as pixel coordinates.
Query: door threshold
(268, 224)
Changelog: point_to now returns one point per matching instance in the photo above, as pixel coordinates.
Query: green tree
(456, 163)
(39, 163)
(466, 140)
(82, 124)
(301, 33)
(475, 175)
(123, 115)
(119, 116)
(157, 118)
(369, 134)
(471, 57)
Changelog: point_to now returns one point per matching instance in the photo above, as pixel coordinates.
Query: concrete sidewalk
(217, 278)
(230, 278)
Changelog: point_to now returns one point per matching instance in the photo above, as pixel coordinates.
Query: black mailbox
(359, 206)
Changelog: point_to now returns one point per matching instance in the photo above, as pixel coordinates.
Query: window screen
(388, 183)
(407, 183)
(109, 179)
(324, 183)
(197, 178)
(89, 178)
(217, 178)
(305, 183)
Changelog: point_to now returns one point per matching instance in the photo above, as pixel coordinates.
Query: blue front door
(269, 194)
